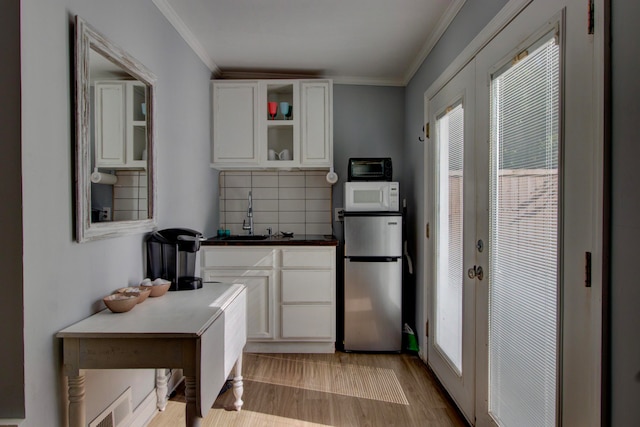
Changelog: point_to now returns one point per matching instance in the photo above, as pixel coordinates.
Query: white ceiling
(379, 42)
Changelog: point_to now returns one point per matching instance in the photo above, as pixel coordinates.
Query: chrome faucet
(250, 216)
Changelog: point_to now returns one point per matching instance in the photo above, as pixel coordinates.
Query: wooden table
(202, 331)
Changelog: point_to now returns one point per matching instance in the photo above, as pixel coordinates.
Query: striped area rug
(364, 382)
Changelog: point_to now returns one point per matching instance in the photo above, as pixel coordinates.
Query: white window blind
(449, 281)
(523, 257)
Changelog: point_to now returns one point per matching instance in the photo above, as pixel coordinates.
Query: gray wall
(64, 281)
(625, 229)
(11, 371)
(471, 19)
(368, 121)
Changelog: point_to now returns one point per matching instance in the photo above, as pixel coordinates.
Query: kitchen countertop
(277, 240)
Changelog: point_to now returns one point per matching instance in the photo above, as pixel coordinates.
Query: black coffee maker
(171, 255)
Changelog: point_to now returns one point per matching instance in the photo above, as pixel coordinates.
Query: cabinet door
(110, 129)
(307, 286)
(260, 292)
(308, 321)
(235, 123)
(316, 123)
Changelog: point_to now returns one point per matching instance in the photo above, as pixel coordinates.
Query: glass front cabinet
(280, 124)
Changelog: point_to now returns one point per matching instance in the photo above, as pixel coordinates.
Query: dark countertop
(277, 240)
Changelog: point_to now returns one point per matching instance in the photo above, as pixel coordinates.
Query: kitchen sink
(244, 237)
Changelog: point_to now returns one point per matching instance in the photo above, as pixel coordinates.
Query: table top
(178, 314)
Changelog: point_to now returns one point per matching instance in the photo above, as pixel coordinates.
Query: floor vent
(117, 414)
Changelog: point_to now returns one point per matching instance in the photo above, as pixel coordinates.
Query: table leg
(192, 418)
(238, 386)
(161, 389)
(77, 416)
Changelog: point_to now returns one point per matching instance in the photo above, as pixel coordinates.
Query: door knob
(475, 272)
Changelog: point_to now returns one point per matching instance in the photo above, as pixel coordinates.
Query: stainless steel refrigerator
(373, 281)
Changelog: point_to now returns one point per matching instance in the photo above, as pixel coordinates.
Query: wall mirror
(115, 154)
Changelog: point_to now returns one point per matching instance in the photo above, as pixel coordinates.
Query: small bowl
(141, 292)
(120, 303)
(157, 288)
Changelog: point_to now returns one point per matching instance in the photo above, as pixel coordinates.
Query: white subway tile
(318, 229)
(234, 193)
(265, 193)
(127, 181)
(291, 193)
(318, 194)
(269, 217)
(286, 181)
(291, 217)
(261, 180)
(291, 205)
(238, 180)
(317, 181)
(236, 205)
(318, 205)
(236, 217)
(318, 217)
(125, 215)
(125, 204)
(125, 192)
(268, 205)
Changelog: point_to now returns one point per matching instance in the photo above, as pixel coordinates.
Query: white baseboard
(145, 411)
(148, 408)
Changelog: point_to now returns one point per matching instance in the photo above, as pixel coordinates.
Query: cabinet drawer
(307, 321)
(311, 257)
(238, 257)
(307, 286)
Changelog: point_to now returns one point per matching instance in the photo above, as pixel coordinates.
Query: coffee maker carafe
(171, 255)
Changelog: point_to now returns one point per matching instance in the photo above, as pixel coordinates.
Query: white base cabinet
(291, 294)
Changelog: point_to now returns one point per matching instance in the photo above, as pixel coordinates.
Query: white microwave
(368, 196)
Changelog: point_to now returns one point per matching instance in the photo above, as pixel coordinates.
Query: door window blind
(449, 281)
(523, 257)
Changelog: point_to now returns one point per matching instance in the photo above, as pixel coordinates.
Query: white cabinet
(252, 267)
(297, 133)
(120, 124)
(235, 118)
(308, 293)
(291, 293)
(316, 119)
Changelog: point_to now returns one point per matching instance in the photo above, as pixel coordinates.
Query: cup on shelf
(284, 155)
(273, 109)
(284, 109)
(271, 155)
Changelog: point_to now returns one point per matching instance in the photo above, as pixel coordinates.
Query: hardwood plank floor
(308, 390)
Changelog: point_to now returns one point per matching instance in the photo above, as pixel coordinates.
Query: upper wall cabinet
(235, 129)
(120, 124)
(281, 124)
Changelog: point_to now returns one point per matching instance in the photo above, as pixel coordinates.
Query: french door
(512, 191)
(452, 191)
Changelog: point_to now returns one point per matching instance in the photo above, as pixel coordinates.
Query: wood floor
(341, 389)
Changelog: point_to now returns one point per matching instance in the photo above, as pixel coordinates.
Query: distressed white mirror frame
(87, 38)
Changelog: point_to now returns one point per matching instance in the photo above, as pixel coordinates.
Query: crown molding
(187, 35)
(441, 27)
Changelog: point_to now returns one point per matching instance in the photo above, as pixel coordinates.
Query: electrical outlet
(338, 214)
(105, 214)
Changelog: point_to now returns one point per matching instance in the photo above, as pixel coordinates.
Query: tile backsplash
(130, 196)
(285, 201)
